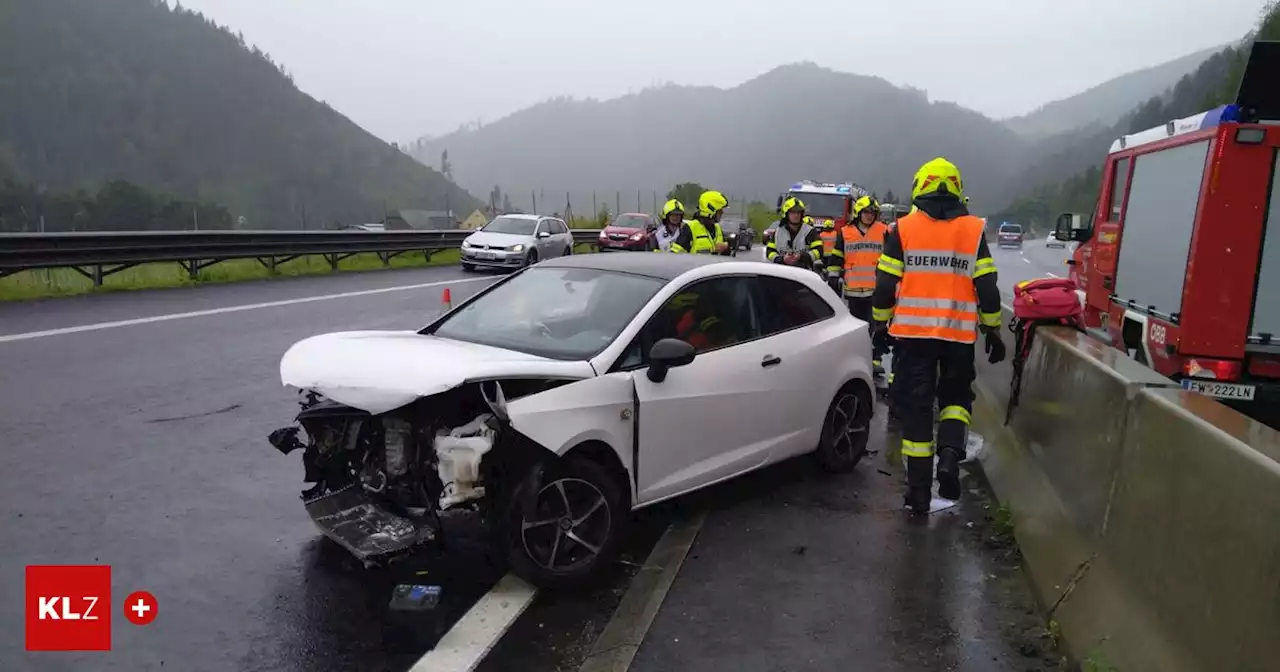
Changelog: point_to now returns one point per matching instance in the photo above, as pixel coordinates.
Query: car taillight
(1215, 369)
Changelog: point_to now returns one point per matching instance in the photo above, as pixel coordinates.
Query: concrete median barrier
(1146, 515)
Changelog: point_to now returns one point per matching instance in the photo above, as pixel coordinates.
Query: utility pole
(534, 195)
(617, 201)
(595, 207)
(639, 208)
(195, 218)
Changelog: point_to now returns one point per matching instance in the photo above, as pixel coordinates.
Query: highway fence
(97, 255)
(1146, 514)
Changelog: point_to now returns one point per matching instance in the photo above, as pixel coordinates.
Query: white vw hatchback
(560, 398)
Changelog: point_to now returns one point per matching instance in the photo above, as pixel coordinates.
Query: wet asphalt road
(802, 571)
(1034, 260)
(143, 447)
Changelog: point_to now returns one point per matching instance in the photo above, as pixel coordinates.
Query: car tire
(597, 512)
(468, 268)
(568, 251)
(531, 259)
(846, 429)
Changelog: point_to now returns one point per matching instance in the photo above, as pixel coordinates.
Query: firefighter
(694, 321)
(672, 222)
(856, 254)
(795, 242)
(702, 234)
(935, 290)
(827, 234)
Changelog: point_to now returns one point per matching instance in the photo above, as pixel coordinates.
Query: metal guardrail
(97, 255)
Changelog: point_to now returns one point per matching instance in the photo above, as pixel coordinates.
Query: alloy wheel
(572, 523)
(848, 429)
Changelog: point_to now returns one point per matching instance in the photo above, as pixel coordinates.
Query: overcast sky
(407, 68)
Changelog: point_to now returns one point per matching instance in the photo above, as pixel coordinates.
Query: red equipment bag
(1049, 301)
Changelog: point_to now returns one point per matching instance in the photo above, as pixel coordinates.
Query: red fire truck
(1175, 264)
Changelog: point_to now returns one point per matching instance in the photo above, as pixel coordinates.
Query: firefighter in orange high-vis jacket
(935, 290)
(855, 255)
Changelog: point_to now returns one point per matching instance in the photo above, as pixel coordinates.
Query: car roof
(662, 265)
(525, 216)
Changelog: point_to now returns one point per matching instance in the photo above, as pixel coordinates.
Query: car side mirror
(544, 234)
(1072, 227)
(668, 354)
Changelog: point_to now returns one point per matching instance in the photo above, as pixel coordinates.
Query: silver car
(516, 241)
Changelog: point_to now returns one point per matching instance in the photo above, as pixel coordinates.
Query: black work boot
(949, 473)
(919, 484)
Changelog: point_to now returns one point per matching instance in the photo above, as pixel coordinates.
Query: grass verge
(46, 283)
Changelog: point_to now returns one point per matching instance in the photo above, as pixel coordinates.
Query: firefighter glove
(995, 347)
(880, 336)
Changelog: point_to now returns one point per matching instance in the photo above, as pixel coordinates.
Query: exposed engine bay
(382, 481)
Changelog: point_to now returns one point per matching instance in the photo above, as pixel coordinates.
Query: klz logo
(68, 608)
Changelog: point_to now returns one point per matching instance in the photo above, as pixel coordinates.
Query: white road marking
(1053, 275)
(471, 638)
(227, 309)
(1026, 260)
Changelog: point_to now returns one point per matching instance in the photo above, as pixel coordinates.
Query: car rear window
(1010, 228)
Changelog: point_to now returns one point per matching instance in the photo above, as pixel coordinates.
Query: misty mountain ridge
(166, 99)
(797, 121)
(1100, 106)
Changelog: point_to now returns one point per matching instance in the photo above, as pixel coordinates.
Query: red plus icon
(140, 607)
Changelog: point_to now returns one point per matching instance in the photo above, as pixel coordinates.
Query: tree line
(117, 206)
(1213, 84)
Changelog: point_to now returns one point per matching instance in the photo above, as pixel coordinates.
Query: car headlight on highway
(637, 237)
(517, 248)
(466, 245)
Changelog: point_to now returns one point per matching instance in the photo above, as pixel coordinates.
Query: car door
(565, 236)
(698, 425)
(543, 242)
(795, 321)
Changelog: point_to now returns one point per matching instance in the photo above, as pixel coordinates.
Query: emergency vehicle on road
(823, 201)
(1175, 264)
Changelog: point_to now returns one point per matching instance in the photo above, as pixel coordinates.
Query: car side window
(709, 314)
(786, 304)
(561, 227)
(542, 226)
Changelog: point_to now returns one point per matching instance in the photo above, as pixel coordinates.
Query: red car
(629, 231)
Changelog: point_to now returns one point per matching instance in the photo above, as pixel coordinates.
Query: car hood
(377, 371)
(493, 239)
(629, 230)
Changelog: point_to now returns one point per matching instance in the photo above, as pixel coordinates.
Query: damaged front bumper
(381, 482)
(368, 531)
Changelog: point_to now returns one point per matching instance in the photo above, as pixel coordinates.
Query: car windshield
(630, 221)
(822, 206)
(560, 313)
(517, 225)
(1010, 228)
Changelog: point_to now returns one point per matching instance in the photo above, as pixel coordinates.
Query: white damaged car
(563, 397)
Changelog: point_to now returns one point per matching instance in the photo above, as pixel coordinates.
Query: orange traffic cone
(446, 301)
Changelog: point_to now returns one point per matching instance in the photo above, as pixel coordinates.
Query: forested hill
(1101, 105)
(795, 122)
(1066, 175)
(93, 91)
